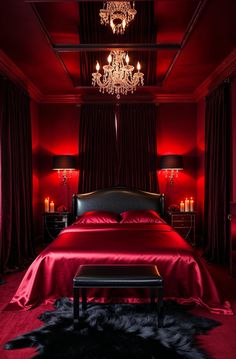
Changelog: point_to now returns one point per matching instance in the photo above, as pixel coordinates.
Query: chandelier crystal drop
(117, 14)
(118, 77)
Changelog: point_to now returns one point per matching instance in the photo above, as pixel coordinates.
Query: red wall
(176, 134)
(58, 134)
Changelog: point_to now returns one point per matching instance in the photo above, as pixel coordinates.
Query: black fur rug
(116, 331)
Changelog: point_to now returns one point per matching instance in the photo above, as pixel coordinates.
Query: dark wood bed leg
(160, 307)
(153, 297)
(76, 308)
(84, 299)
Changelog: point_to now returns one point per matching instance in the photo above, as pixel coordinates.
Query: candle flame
(97, 66)
(127, 59)
(109, 59)
(138, 66)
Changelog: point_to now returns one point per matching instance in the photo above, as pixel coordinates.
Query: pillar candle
(46, 204)
(51, 206)
(181, 206)
(191, 203)
(186, 205)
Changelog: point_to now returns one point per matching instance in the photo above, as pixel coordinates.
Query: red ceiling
(204, 30)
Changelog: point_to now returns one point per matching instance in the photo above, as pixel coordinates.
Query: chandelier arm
(103, 84)
(133, 82)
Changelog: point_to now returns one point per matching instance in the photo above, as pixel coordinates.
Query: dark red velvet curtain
(16, 236)
(97, 147)
(217, 174)
(137, 146)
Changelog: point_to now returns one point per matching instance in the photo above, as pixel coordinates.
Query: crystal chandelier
(118, 78)
(117, 14)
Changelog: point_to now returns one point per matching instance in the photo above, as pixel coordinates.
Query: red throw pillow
(141, 216)
(98, 217)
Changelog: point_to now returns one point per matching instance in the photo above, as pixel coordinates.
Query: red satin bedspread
(185, 277)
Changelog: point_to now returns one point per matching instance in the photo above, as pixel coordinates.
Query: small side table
(185, 224)
(53, 223)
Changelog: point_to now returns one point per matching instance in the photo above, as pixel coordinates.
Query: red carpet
(220, 343)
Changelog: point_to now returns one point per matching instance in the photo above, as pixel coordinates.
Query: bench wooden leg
(153, 296)
(76, 308)
(160, 307)
(84, 299)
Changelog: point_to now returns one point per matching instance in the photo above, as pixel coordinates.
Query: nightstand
(184, 223)
(53, 223)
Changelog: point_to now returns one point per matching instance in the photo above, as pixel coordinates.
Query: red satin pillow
(141, 216)
(98, 217)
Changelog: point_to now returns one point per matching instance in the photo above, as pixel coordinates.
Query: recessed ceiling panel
(60, 21)
(173, 18)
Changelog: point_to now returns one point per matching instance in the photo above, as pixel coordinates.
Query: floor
(220, 343)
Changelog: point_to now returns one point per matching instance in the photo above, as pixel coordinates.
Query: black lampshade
(171, 162)
(63, 162)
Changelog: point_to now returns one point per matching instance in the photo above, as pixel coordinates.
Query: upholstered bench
(118, 276)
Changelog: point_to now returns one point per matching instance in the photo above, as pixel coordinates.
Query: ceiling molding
(110, 46)
(9, 69)
(174, 98)
(69, 98)
(224, 70)
(135, 98)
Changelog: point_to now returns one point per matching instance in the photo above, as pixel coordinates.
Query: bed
(123, 242)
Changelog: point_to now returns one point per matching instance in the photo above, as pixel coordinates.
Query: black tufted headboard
(117, 200)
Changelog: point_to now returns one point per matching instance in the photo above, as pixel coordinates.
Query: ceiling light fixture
(118, 78)
(117, 14)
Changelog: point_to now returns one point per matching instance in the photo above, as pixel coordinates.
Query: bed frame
(118, 200)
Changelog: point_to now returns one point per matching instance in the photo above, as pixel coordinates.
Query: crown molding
(69, 98)
(174, 98)
(135, 98)
(224, 70)
(8, 68)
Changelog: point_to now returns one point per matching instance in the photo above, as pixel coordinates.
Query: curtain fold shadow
(217, 174)
(16, 237)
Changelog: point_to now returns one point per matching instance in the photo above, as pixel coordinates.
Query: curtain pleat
(97, 147)
(217, 175)
(137, 146)
(16, 247)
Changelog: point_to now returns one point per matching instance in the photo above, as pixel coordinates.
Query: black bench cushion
(117, 275)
